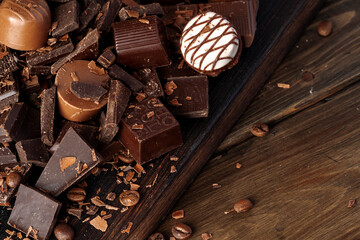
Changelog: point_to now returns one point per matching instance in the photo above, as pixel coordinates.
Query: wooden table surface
(302, 175)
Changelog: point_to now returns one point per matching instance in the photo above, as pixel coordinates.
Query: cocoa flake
(170, 87)
(99, 223)
(206, 236)
(140, 96)
(74, 77)
(97, 202)
(283, 85)
(132, 13)
(216, 185)
(173, 158)
(173, 169)
(238, 165)
(128, 228)
(144, 21)
(352, 203)
(95, 69)
(150, 114)
(130, 174)
(137, 126)
(175, 102)
(179, 214)
(64, 38)
(111, 196)
(134, 186)
(66, 162)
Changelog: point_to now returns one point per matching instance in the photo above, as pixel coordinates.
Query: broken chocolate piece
(11, 121)
(141, 43)
(109, 11)
(89, 13)
(149, 137)
(67, 17)
(107, 133)
(7, 156)
(47, 115)
(7, 64)
(40, 70)
(9, 92)
(55, 178)
(117, 72)
(140, 11)
(33, 151)
(87, 91)
(34, 213)
(116, 148)
(107, 58)
(149, 77)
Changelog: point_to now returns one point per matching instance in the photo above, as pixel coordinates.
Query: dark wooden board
(327, 58)
(300, 179)
(280, 23)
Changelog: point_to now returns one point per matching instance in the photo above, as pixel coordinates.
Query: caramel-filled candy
(71, 107)
(24, 24)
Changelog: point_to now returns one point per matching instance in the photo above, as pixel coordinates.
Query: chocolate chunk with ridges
(9, 92)
(117, 72)
(7, 64)
(40, 70)
(11, 121)
(57, 51)
(149, 130)
(33, 151)
(87, 132)
(186, 91)
(87, 91)
(7, 156)
(107, 58)
(109, 11)
(34, 213)
(107, 133)
(87, 48)
(89, 13)
(150, 78)
(67, 17)
(71, 162)
(47, 115)
(140, 11)
(6, 191)
(141, 43)
(116, 148)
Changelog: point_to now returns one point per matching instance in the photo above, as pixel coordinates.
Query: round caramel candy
(72, 107)
(24, 24)
(210, 44)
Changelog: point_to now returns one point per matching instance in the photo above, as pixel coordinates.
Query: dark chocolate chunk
(149, 77)
(67, 17)
(186, 91)
(140, 11)
(116, 148)
(9, 92)
(71, 162)
(141, 43)
(87, 91)
(31, 85)
(87, 132)
(58, 50)
(40, 70)
(89, 13)
(107, 133)
(47, 115)
(34, 213)
(7, 63)
(107, 58)
(11, 121)
(33, 151)
(30, 127)
(109, 11)
(87, 48)
(7, 156)
(149, 130)
(117, 72)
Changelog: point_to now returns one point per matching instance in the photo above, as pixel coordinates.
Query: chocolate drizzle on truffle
(210, 44)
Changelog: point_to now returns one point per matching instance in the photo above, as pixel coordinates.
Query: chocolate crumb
(66, 162)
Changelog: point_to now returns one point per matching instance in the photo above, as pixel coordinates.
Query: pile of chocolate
(82, 81)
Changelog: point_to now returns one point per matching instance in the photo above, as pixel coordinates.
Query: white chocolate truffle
(210, 44)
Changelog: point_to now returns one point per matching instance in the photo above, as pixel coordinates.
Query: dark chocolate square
(33, 151)
(7, 156)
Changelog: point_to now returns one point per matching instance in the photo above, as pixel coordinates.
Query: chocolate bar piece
(40, 70)
(149, 130)
(87, 48)
(9, 92)
(6, 191)
(186, 91)
(31, 85)
(141, 43)
(30, 127)
(89, 13)
(67, 17)
(140, 11)
(58, 50)
(87, 132)
(72, 161)
(34, 213)
(107, 133)
(150, 78)
(11, 121)
(87, 91)
(7, 156)
(33, 151)
(117, 72)
(107, 58)
(7, 63)
(47, 115)
(109, 11)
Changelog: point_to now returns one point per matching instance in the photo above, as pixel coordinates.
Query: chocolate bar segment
(108, 14)
(72, 161)
(107, 58)
(34, 213)
(7, 156)
(150, 78)
(67, 18)
(149, 130)
(47, 115)
(118, 73)
(89, 13)
(141, 43)
(33, 151)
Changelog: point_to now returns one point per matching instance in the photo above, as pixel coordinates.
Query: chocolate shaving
(111, 196)
(129, 175)
(76, 212)
(134, 186)
(99, 223)
(137, 126)
(175, 102)
(127, 230)
(283, 85)
(97, 202)
(170, 87)
(173, 169)
(144, 21)
(95, 69)
(140, 97)
(66, 162)
(74, 77)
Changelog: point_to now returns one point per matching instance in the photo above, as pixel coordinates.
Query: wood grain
(327, 58)
(300, 179)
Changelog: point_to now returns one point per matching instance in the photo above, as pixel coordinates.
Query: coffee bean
(76, 194)
(325, 28)
(156, 236)
(259, 129)
(243, 205)
(13, 179)
(129, 198)
(181, 231)
(63, 231)
(307, 76)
